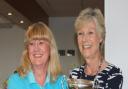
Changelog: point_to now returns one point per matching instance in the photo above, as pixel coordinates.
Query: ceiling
(40, 10)
(68, 7)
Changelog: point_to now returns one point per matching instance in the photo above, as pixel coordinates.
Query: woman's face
(39, 52)
(88, 40)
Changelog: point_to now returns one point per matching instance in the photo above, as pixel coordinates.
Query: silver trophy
(80, 84)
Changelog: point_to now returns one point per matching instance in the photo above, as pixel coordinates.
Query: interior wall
(11, 45)
(116, 15)
(63, 29)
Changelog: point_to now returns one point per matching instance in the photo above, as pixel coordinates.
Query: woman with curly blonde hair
(90, 36)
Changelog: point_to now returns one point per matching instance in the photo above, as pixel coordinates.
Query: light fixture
(21, 21)
(9, 13)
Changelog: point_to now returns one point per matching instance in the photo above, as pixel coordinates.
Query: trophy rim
(80, 83)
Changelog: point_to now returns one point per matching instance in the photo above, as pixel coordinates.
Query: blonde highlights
(95, 15)
(41, 31)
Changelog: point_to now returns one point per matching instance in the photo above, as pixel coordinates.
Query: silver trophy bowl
(80, 84)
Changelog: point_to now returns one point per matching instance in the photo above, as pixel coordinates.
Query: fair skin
(39, 52)
(88, 42)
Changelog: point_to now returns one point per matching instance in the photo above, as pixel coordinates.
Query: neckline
(91, 77)
(83, 66)
(97, 71)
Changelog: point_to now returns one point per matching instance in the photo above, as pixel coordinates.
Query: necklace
(98, 69)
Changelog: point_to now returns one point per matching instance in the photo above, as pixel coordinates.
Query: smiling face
(39, 52)
(88, 40)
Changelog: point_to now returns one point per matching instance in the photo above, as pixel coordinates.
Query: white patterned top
(109, 78)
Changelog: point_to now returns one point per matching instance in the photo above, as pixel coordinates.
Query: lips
(85, 46)
(37, 55)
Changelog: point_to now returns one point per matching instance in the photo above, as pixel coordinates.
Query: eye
(79, 34)
(31, 43)
(91, 32)
(41, 42)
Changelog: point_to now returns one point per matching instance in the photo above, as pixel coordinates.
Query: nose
(85, 37)
(36, 47)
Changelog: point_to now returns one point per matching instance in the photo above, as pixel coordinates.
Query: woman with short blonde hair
(90, 35)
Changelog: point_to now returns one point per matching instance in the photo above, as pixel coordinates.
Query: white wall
(63, 29)
(11, 45)
(116, 15)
